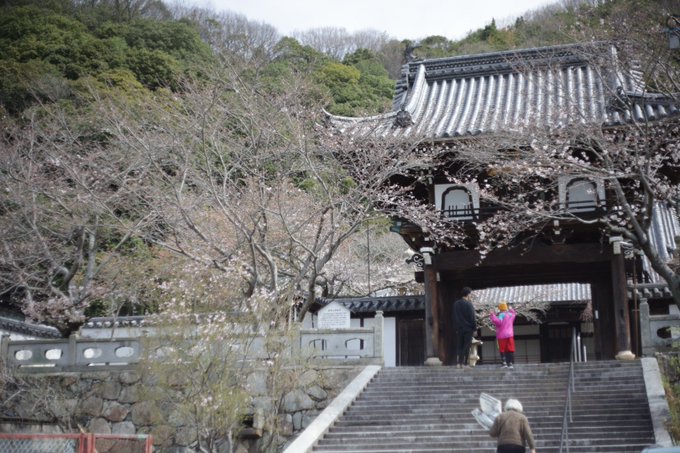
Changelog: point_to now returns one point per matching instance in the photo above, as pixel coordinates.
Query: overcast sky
(398, 18)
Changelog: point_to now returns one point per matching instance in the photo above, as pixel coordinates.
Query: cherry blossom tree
(249, 178)
(64, 202)
(371, 262)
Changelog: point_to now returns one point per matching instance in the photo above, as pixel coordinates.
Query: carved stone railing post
(72, 350)
(379, 325)
(645, 329)
(4, 343)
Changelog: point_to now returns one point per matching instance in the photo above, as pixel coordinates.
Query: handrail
(576, 355)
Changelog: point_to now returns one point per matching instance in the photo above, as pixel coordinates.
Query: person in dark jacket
(465, 324)
(512, 430)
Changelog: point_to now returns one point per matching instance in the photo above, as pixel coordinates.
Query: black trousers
(510, 449)
(463, 344)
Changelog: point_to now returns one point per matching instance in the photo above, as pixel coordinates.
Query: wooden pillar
(605, 329)
(447, 338)
(431, 316)
(449, 295)
(621, 311)
(646, 341)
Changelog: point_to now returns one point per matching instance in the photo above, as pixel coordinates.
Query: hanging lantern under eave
(673, 30)
(674, 39)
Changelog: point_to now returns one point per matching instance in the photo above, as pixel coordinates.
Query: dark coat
(464, 319)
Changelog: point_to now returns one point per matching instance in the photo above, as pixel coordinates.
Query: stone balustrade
(72, 354)
(346, 344)
(658, 333)
(91, 354)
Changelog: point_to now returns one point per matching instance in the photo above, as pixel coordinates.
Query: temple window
(579, 194)
(457, 201)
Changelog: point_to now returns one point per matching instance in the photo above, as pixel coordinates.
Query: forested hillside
(50, 49)
(162, 156)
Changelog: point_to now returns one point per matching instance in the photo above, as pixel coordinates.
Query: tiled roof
(548, 87)
(557, 293)
(16, 326)
(117, 322)
(662, 234)
(387, 303)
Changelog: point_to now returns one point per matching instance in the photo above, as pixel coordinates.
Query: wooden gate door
(555, 342)
(411, 342)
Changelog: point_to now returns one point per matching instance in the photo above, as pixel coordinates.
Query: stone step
(606, 446)
(430, 423)
(421, 409)
(612, 448)
(620, 431)
(535, 409)
(472, 442)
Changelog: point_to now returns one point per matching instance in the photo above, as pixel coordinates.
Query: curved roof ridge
(413, 96)
(500, 61)
(358, 119)
(524, 52)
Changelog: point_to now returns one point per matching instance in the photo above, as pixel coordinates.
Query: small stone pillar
(4, 347)
(645, 329)
(379, 326)
(474, 357)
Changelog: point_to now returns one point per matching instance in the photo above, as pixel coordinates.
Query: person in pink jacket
(505, 332)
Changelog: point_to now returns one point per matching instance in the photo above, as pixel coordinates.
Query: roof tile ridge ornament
(620, 102)
(409, 52)
(403, 119)
(410, 99)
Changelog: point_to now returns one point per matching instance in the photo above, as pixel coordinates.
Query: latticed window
(460, 202)
(580, 194)
(457, 203)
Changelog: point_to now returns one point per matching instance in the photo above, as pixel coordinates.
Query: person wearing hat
(505, 332)
(512, 429)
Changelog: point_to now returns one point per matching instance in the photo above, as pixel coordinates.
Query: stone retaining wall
(113, 403)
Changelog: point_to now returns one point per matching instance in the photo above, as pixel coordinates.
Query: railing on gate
(75, 443)
(577, 354)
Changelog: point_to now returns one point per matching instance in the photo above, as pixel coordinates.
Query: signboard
(489, 408)
(334, 316)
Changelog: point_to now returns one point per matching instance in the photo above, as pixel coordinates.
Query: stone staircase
(428, 409)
